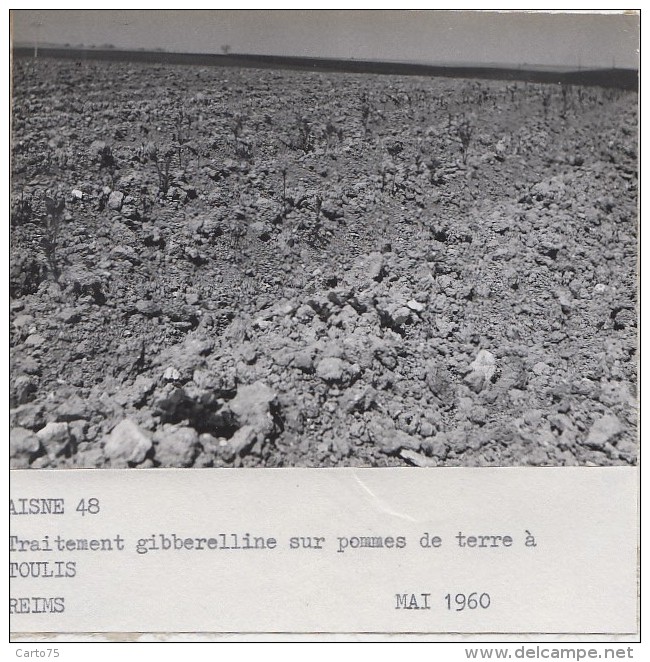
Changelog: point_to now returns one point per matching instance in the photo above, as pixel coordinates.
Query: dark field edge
(624, 79)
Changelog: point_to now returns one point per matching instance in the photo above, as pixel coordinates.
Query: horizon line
(525, 66)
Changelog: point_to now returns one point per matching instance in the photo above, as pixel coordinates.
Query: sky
(428, 36)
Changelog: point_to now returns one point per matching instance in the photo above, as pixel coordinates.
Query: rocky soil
(219, 267)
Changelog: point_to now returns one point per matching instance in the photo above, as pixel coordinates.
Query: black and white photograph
(323, 238)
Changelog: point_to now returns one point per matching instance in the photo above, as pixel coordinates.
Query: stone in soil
(23, 446)
(604, 431)
(252, 406)
(391, 441)
(127, 444)
(360, 397)
(115, 200)
(482, 370)
(436, 447)
(417, 459)
(175, 446)
(331, 370)
(56, 439)
(243, 440)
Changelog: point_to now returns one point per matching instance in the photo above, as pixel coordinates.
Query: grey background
(514, 38)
